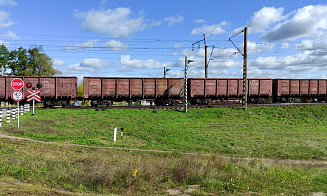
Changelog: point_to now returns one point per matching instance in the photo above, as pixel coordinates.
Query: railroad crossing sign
(17, 83)
(33, 95)
(17, 95)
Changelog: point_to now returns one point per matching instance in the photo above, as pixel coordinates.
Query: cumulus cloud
(263, 19)
(5, 22)
(128, 64)
(10, 36)
(58, 62)
(95, 63)
(88, 44)
(116, 23)
(212, 29)
(115, 45)
(8, 2)
(172, 20)
(307, 21)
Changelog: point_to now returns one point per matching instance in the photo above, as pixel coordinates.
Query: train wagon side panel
(313, 90)
(66, 87)
(222, 87)
(322, 87)
(3, 89)
(233, 87)
(136, 87)
(294, 87)
(108, 87)
(123, 86)
(266, 87)
(282, 87)
(175, 87)
(162, 87)
(304, 87)
(48, 86)
(149, 86)
(92, 87)
(211, 88)
(253, 87)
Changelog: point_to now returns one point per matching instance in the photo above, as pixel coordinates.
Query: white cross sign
(33, 95)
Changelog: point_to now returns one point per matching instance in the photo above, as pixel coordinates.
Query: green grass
(274, 132)
(35, 169)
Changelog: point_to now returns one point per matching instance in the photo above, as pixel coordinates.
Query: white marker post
(115, 134)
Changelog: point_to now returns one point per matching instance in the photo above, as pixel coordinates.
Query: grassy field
(297, 133)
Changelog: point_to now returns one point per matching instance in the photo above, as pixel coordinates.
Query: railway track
(197, 106)
(177, 106)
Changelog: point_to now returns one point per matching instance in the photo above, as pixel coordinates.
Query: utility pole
(245, 71)
(205, 54)
(205, 57)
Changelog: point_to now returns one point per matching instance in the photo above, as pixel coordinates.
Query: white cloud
(95, 63)
(88, 44)
(5, 22)
(307, 21)
(264, 18)
(172, 20)
(178, 45)
(115, 45)
(200, 21)
(212, 29)
(58, 62)
(10, 36)
(8, 2)
(128, 64)
(116, 23)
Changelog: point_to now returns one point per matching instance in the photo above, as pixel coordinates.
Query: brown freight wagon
(286, 90)
(55, 91)
(105, 90)
(204, 90)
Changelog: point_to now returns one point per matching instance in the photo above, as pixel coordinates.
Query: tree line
(23, 62)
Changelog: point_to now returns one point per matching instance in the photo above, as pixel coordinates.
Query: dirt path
(235, 159)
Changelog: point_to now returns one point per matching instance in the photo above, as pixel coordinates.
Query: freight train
(60, 91)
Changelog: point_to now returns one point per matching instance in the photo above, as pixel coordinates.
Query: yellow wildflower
(134, 171)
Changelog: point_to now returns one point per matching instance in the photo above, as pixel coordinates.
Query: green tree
(4, 57)
(31, 62)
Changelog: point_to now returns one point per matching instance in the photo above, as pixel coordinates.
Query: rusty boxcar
(204, 90)
(105, 90)
(285, 90)
(55, 91)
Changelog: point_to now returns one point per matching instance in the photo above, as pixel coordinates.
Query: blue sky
(286, 39)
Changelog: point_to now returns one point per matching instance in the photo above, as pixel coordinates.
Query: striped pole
(185, 85)
(21, 110)
(17, 113)
(0, 117)
(8, 115)
(28, 107)
(25, 108)
(14, 114)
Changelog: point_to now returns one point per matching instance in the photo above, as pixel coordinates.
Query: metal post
(18, 113)
(33, 107)
(245, 85)
(0, 117)
(185, 85)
